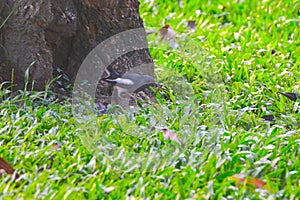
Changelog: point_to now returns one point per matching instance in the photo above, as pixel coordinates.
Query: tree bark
(51, 34)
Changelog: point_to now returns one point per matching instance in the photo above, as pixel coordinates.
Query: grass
(254, 48)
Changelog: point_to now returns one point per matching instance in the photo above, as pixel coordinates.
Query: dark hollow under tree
(51, 34)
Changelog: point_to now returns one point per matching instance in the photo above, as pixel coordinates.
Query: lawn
(221, 78)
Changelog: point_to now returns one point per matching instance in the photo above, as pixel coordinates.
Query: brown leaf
(270, 118)
(240, 180)
(7, 167)
(55, 147)
(191, 25)
(166, 33)
(291, 96)
(169, 135)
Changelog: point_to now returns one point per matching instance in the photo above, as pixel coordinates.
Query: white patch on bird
(122, 81)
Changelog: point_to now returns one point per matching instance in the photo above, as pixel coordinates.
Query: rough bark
(50, 34)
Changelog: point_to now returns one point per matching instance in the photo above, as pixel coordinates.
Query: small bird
(129, 83)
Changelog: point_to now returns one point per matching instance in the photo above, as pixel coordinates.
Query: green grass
(254, 48)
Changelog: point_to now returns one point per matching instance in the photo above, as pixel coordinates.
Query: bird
(129, 83)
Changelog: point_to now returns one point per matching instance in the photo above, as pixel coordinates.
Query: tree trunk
(51, 34)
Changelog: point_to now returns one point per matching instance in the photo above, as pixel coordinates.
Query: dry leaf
(191, 25)
(55, 147)
(240, 180)
(291, 96)
(7, 167)
(270, 118)
(169, 135)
